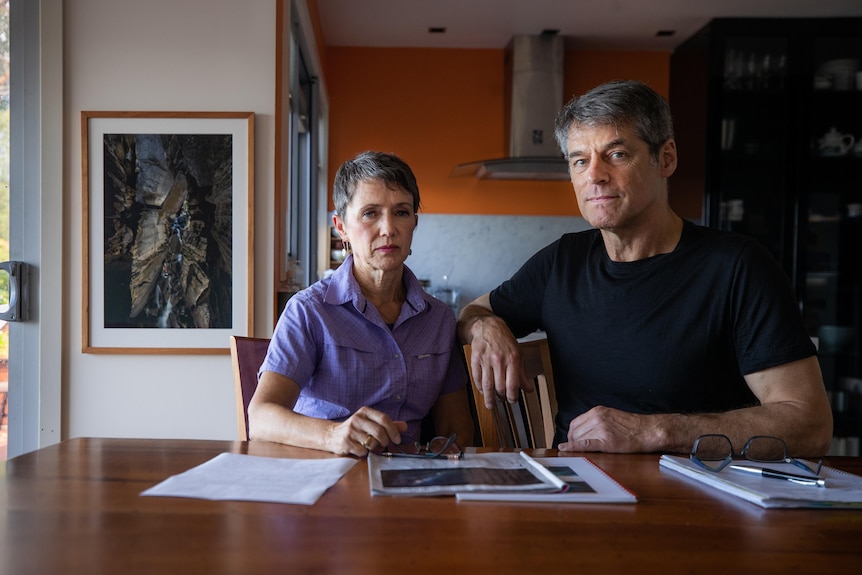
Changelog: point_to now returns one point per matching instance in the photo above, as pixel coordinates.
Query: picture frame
(168, 229)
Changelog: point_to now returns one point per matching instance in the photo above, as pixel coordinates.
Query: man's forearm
(469, 316)
(477, 309)
(804, 434)
(615, 431)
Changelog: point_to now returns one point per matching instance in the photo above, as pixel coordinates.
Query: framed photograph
(168, 259)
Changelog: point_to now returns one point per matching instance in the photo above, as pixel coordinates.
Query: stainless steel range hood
(533, 98)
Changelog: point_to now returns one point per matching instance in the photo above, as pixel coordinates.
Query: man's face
(617, 184)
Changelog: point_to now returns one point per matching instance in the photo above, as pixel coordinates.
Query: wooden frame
(168, 212)
(282, 157)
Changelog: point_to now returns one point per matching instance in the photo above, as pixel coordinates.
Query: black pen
(775, 474)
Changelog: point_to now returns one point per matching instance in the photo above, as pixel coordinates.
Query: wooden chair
(530, 422)
(246, 355)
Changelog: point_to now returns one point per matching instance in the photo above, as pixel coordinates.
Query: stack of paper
(236, 477)
(842, 490)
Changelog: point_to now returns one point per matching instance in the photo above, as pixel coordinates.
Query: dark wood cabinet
(768, 119)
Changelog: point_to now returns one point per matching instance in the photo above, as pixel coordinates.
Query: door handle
(19, 290)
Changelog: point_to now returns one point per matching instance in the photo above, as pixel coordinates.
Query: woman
(361, 357)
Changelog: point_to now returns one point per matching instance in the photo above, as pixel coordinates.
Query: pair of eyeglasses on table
(440, 447)
(714, 452)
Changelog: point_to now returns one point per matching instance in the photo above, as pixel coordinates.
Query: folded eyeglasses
(714, 452)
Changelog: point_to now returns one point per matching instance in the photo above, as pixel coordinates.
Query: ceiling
(586, 24)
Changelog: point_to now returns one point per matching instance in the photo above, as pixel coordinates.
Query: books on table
(497, 476)
(843, 490)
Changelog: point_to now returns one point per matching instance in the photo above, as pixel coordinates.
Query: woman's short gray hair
(618, 103)
(371, 166)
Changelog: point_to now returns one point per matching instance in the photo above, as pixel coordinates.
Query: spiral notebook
(842, 491)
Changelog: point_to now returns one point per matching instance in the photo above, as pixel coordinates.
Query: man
(660, 330)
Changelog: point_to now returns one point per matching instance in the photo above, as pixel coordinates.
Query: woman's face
(379, 224)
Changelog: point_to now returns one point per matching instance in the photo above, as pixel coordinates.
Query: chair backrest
(246, 355)
(530, 422)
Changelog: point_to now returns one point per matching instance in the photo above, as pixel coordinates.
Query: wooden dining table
(75, 508)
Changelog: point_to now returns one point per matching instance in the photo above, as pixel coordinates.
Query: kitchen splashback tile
(478, 252)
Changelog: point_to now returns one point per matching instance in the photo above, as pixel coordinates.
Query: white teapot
(834, 143)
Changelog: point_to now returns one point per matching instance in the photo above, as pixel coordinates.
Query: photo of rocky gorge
(168, 230)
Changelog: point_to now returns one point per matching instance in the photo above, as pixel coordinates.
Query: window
(301, 201)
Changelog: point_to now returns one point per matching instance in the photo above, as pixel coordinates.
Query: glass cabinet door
(774, 142)
(832, 220)
(754, 142)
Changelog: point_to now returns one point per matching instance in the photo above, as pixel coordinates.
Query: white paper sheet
(236, 477)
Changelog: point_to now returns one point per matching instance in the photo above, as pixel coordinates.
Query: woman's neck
(385, 290)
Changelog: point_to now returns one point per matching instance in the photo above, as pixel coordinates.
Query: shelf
(335, 246)
(851, 161)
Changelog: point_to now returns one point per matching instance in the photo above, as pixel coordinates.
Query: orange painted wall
(440, 107)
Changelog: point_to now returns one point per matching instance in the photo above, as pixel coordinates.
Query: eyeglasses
(438, 447)
(714, 452)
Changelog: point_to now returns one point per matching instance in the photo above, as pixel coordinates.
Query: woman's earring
(410, 253)
(346, 249)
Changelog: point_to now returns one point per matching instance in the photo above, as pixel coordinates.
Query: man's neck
(629, 245)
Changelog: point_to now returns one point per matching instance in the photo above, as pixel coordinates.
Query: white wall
(192, 55)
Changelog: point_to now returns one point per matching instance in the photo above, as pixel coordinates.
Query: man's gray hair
(618, 103)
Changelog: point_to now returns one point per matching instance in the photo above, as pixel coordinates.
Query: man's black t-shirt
(673, 333)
